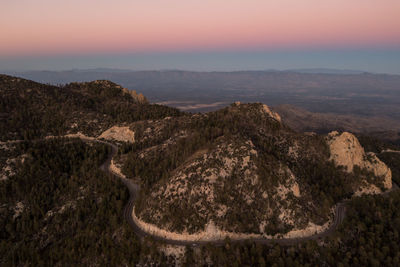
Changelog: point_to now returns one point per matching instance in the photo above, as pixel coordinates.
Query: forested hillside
(239, 170)
(58, 208)
(369, 236)
(30, 110)
(89, 230)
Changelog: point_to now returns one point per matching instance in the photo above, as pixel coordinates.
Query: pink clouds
(85, 26)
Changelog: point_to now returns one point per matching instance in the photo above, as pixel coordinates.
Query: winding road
(340, 212)
(389, 151)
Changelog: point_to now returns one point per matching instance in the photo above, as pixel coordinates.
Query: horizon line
(313, 70)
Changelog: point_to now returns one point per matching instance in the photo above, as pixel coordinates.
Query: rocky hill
(30, 110)
(241, 172)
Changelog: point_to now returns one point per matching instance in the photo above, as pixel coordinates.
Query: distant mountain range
(326, 71)
(74, 75)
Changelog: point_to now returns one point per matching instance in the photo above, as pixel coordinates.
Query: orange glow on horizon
(90, 26)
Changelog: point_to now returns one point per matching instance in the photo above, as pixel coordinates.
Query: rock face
(271, 113)
(140, 98)
(261, 108)
(123, 134)
(346, 151)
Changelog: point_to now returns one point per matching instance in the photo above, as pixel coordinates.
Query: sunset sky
(40, 34)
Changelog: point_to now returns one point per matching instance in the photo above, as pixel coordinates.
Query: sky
(200, 35)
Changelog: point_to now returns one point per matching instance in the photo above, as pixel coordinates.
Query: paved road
(390, 151)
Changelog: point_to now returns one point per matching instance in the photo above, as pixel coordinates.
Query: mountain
(31, 110)
(198, 173)
(326, 71)
(197, 183)
(57, 207)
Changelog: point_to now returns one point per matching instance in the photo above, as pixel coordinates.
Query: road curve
(389, 151)
(340, 212)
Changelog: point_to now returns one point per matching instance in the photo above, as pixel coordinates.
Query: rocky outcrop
(271, 113)
(346, 151)
(258, 108)
(116, 168)
(103, 83)
(140, 98)
(117, 133)
(367, 189)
